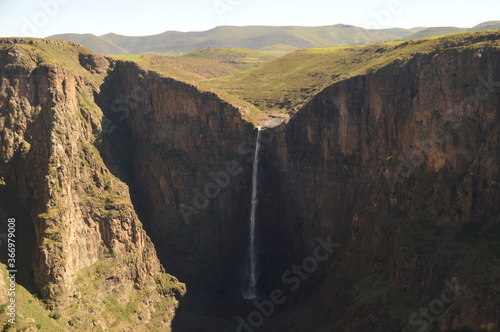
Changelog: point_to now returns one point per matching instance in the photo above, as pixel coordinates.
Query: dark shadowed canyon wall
(401, 167)
(189, 162)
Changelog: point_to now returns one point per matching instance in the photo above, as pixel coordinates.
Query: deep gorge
(393, 166)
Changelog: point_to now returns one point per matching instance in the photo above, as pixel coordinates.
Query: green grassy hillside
(434, 32)
(278, 49)
(287, 83)
(31, 314)
(240, 58)
(229, 54)
(201, 64)
(491, 25)
(190, 70)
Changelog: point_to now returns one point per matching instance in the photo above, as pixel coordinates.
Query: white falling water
(250, 284)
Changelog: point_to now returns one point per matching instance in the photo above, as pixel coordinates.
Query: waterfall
(250, 284)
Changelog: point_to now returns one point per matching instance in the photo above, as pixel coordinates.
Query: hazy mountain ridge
(255, 37)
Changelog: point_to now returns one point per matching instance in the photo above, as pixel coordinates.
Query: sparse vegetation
(73, 322)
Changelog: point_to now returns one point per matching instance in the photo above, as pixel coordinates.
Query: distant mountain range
(271, 39)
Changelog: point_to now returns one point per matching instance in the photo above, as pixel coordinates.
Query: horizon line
(260, 25)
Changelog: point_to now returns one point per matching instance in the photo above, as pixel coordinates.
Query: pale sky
(42, 18)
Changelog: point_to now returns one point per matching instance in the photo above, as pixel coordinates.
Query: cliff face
(401, 167)
(90, 242)
(188, 156)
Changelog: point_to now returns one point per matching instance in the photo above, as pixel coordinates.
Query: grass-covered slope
(201, 64)
(490, 25)
(240, 58)
(31, 314)
(429, 32)
(185, 69)
(278, 49)
(285, 84)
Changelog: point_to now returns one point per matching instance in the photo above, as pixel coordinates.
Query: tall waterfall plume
(251, 274)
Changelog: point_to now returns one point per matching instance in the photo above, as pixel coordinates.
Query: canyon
(378, 197)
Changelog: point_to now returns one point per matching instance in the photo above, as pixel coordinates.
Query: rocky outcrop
(92, 251)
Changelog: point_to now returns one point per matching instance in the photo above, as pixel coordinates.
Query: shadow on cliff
(117, 147)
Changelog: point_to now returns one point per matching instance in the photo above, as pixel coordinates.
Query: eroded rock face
(86, 226)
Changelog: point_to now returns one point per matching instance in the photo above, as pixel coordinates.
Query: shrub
(73, 321)
(55, 315)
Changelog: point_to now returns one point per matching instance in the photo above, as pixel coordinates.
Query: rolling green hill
(434, 32)
(201, 64)
(438, 31)
(491, 25)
